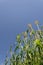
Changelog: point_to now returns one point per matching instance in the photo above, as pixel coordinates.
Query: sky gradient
(14, 17)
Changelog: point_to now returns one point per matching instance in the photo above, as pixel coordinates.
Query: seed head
(25, 34)
(29, 25)
(36, 22)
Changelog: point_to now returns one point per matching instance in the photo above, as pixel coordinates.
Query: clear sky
(14, 17)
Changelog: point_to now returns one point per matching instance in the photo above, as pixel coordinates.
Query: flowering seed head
(36, 22)
(29, 25)
(25, 34)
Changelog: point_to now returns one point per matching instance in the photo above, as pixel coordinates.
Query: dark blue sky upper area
(14, 17)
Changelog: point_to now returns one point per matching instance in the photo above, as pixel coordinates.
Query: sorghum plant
(29, 48)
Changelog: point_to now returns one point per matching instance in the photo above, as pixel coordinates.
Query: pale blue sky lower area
(14, 17)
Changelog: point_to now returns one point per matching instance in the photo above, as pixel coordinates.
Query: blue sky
(14, 17)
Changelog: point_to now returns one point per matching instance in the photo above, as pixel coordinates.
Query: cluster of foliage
(29, 48)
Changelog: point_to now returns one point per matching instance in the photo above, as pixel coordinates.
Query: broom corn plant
(29, 48)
